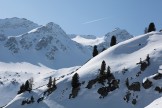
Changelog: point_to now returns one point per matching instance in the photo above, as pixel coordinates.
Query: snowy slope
(83, 36)
(48, 45)
(15, 26)
(155, 104)
(101, 41)
(120, 34)
(124, 55)
(88, 42)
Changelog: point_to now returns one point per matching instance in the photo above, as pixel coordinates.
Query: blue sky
(95, 17)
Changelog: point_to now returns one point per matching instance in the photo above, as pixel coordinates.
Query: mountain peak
(121, 34)
(52, 25)
(16, 26)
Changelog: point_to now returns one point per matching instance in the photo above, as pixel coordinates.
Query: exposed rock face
(43, 43)
(12, 44)
(51, 53)
(25, 44)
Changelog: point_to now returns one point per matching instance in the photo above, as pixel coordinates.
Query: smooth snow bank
(88, 42)
(23, 67)
(155, 104)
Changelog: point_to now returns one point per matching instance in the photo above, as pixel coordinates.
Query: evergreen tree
(103, 68)
(49, 85)
(127, 82)
(27, 86)
(54, 83)
(108, 71)
(22, 89)
(75, 80)
(113, 41)
(151, 27)
(32, 99)
(95, 51)
(148, 60)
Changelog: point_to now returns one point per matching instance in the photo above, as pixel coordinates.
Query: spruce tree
(54, 83)
(127, 82)
(49, 85)
(95, 51)
(151, 27)
(27, 86)
(22, 89)
(103, 68)
(32, 99)
(113, 41)
(75, 80)
(108, 71)
(148, 60)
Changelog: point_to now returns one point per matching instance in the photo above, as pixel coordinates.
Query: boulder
(147, 84)
(158, 89)
(135, 86)
(157, 76)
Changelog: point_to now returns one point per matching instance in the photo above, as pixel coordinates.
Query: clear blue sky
(95, 17)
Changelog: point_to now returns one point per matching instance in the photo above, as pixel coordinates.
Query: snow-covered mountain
(48, 45)
(137, 60)
(101, 41)
(15, 26)
(120, 34)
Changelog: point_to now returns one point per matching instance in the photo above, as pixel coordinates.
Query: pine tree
(127, 82)
(103, 68)
(32, 99)
(95, 51)
(108, 71)
(148, 60)
(75, 80)
(22, 89)
(54, 83)
(27, 86)
(49, 85)
(151, 27)
(113, 41)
